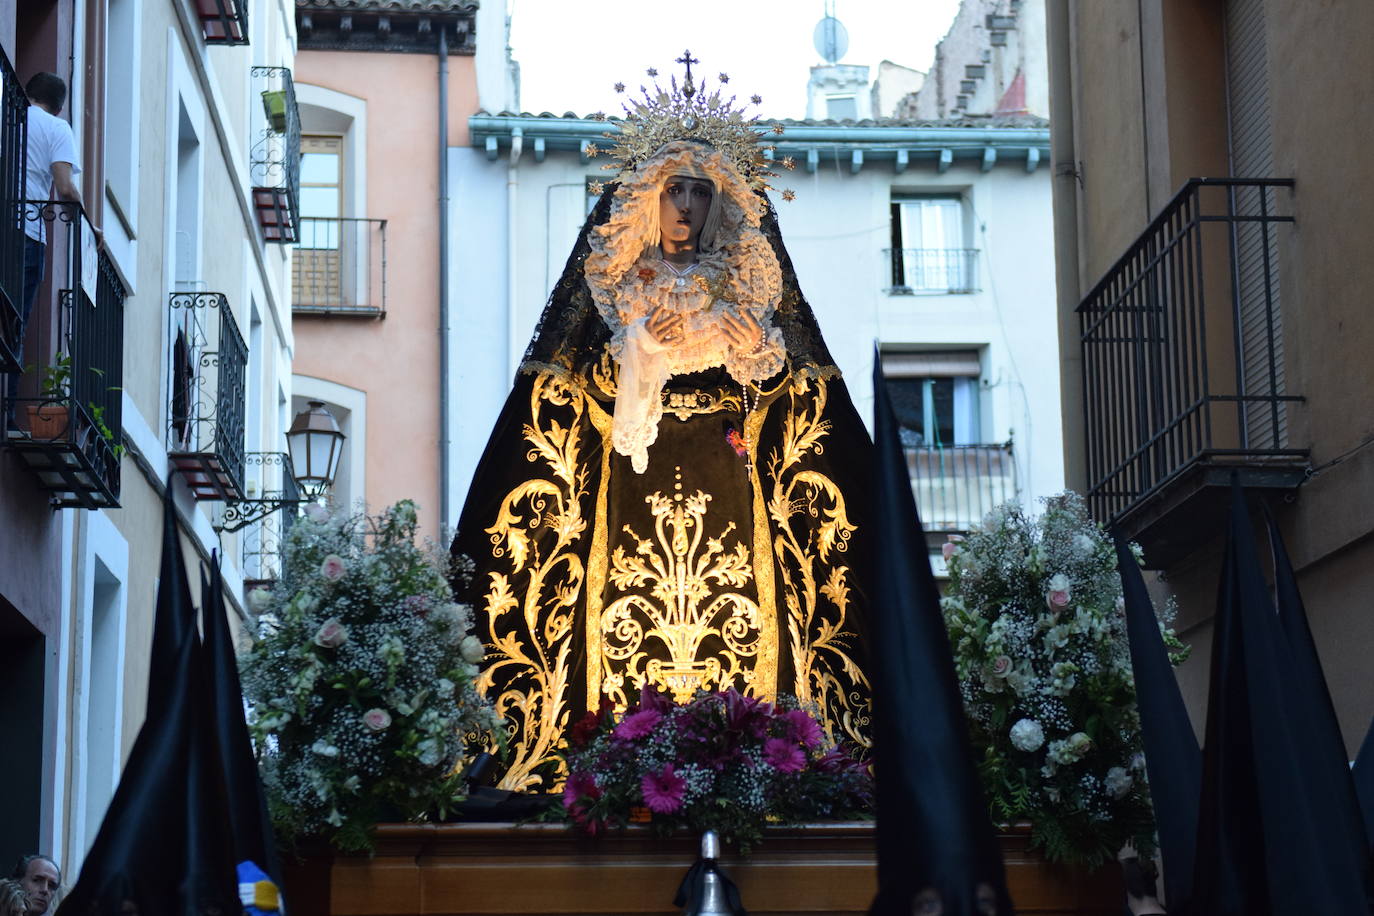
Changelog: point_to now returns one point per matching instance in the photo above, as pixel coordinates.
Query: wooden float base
(820, 870)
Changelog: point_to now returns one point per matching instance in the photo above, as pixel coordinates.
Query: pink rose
(949, 547)
(333, 567)
(1001, 666)
(1059, 592)
(331, 634)
(377, 719)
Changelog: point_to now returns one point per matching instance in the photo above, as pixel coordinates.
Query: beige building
(160, 360)
(385, 90)
(1211, 227)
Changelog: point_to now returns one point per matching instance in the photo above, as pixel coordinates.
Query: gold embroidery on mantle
(679, 576)
(813, 531)
(531, 605)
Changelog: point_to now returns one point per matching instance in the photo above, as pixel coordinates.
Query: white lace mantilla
(740, 277)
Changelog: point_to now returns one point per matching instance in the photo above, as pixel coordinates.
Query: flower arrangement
(1037, 625)
(723, 762)
(361, 678)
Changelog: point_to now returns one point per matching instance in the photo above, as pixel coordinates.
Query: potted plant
(50, 418)
(274, 104)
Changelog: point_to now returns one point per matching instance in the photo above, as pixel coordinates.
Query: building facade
(1210, 236)
(158, 360)
(385, 90)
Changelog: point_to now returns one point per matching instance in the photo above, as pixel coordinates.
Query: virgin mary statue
(669, 496)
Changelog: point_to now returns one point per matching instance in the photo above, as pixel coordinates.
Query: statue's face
(682, 209)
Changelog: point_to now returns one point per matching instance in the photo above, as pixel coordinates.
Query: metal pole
(444, 516)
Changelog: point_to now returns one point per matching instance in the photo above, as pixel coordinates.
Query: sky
(571, 52)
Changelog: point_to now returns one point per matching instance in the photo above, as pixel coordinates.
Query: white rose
(471, 649)
(1027, 735)
(1118, 782)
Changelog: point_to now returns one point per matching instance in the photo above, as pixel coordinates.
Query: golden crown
(687, 112)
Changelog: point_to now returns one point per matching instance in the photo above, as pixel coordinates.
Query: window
(317, 267)
(928, 253)
(935, 397)
(841, 107)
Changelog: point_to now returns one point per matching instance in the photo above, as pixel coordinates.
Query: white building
(930, 239)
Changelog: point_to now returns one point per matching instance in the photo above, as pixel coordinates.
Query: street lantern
(316, 445)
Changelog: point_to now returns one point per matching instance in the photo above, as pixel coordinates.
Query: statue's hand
(665, 326)
(742, 330)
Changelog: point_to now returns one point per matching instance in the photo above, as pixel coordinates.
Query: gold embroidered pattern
(531, 606)
(679, 575)
(813, 532)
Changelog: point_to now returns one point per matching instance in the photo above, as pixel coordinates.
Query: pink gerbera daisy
(803, 728)
(783, 755)
(637, 724)
(663, 791)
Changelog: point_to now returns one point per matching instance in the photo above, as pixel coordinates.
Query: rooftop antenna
(831, 38)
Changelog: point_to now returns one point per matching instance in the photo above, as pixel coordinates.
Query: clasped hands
(741, 331)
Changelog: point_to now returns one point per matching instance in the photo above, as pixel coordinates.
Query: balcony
(955, 486)
(13, 144)
(223, 22)
(339, 268)
(1183, 372)
(265, 515)
(206, 386)
(67, 410)
(275, 157)
(931, 271)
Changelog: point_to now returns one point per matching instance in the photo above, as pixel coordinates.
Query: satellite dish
(831, 39)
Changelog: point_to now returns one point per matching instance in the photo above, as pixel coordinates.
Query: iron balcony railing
(931, 271)
(271, 486)
(275, 158)
(67, 409)
(955, 486)
(206, 384)
(339, 267)
(14, 121)
(1182, 345)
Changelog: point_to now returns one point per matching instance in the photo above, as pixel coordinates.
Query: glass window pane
(320, 168)
(319, 202)
(907, 398)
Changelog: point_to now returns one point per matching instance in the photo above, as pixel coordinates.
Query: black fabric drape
(933, 828)
(250, 826)
(1172, 757)
(162, 848)
(1269, 839)
(1363, 774)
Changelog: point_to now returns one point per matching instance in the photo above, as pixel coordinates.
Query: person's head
(47, 91)
(684, 205)
(40, 877)
(13, 900)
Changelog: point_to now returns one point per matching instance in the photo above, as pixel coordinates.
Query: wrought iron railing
(275, 158)
(339, 267)
(270, 488)
(14, 120)
(1182, 345)
(206, 384)
(67, 410)
(913, 271)
(224, 22)
(955, 486)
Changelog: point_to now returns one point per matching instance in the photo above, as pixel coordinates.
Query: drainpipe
(517, 146)
(444, 517)
(1064, 155)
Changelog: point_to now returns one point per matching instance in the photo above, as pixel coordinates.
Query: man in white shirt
(50, 166)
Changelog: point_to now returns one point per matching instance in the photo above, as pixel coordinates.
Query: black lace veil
(571, 335)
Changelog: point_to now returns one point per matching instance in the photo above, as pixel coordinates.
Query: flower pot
(274, 104)
(48, 421)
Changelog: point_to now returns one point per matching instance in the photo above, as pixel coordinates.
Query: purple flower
(746, 714)
(783, 755)
(579, 784)
(663, 791)
(637, 724)
(801, 727)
